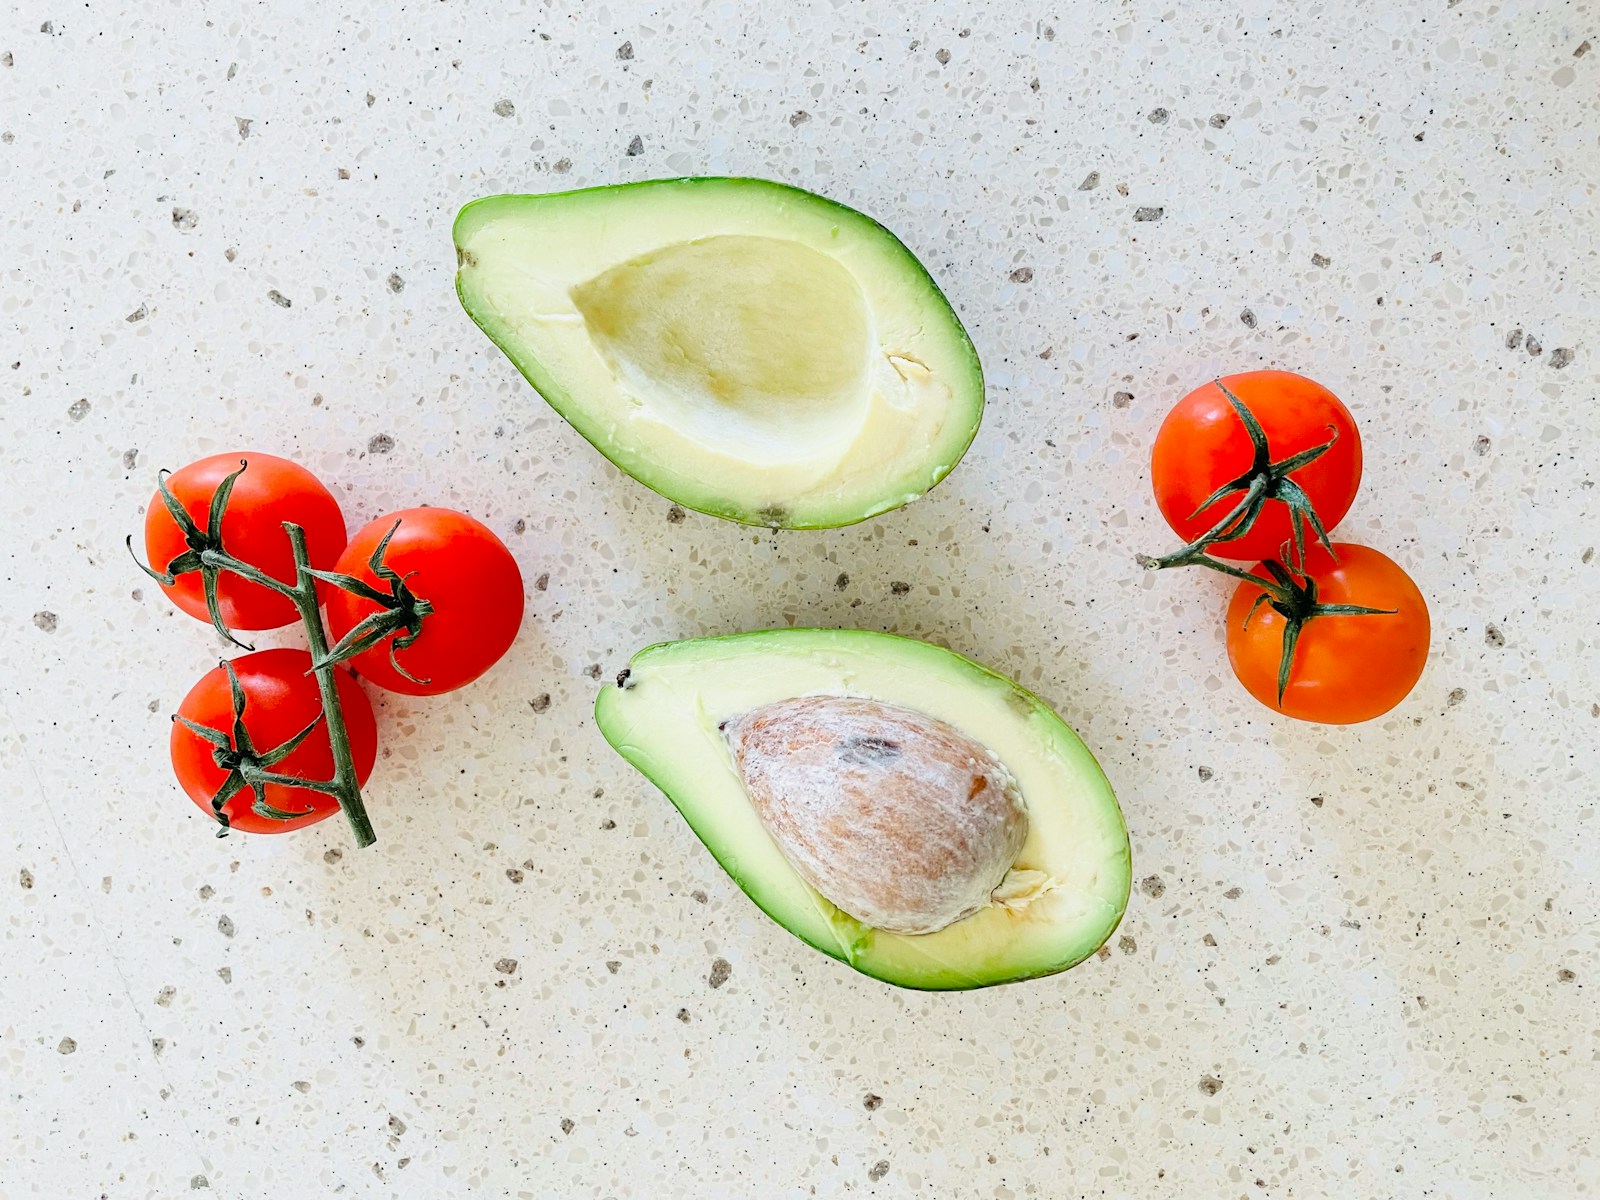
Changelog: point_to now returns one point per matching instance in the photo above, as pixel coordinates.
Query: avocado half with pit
(747, 349)
(899, 807)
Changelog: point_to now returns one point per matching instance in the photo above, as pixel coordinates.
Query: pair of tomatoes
(1266, 463)
(463, 587)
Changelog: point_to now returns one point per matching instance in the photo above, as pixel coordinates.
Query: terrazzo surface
(1357, 962)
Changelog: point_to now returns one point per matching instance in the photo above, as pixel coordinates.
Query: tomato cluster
(1262, 466)
(421, 601)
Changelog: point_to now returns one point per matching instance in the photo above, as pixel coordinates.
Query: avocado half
(747, 349)
(664, 714)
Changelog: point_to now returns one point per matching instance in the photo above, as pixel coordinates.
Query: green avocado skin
(715, 189)
(652, 751)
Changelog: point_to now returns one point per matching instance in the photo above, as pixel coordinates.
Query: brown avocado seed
(900, 820)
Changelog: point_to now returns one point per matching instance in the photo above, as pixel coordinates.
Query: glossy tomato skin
(459, 566)
(1346, 668)
(271, 491)
(280, 700)
(1203, 444)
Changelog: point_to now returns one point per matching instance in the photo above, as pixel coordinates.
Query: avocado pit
(898, 819)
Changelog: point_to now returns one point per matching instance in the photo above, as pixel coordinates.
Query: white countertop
(1361, 962)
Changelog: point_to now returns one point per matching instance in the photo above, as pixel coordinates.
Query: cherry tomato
(1203, 445)
(461, 570)
(281, 699)
(269, 492)
(1345, 668)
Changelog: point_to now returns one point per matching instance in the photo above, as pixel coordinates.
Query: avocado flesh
(664, 717)
(745, 348)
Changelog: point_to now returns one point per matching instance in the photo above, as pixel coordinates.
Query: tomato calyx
(205, 552)
(1264, 480)
(1294, 598)
(234, 752)
(398, 609)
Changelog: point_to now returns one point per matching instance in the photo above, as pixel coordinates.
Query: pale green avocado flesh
(745, 348)
(663, 717)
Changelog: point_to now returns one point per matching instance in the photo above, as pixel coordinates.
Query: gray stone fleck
(1533, 346)
(625, 51)
(506, 966)
(871, 1102)
(515, 874)
(1149, 213)
(1090, 182)
(1456, 696)
(636, 146)
(1513, 339)
(1153, 886)
(1210, 1084)
(66, 1046)
(130, 459)
(137, 314)
(1158, 116)
(1121, 399)
(1205, 773)
(613, 965)
(1560, 357)
(225, 974)
(1022, 275)
(301, 1085)
(1218, 120)
(540, 703)
(279, 298)
(1583, 48)
(1233, 893)
(567, 1125)
(396, 1126)
(396, 284)
(184, 218)
(165, 995)
(879, 1170)
(25, 878)
(504, 108)
(46, 620)
(1247, 319)
(79, 408)
(1480, 445)
(1126, 944)
(244, 124)
(1320, 260)
(1566, 976)
(720, 970)
(676, 515)
(899, 587)
(942, 55)
(1492, 635)
(225, 925)
(332, 855)
(380, 443)
(198, 1183)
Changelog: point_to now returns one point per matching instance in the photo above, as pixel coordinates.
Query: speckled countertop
(1358, 962)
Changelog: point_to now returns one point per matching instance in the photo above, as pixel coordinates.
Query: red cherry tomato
(281, 699)
(462, 570)
(1203, 444)
(269, 492)
(1345, 668)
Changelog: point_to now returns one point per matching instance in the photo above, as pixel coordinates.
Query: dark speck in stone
(1456, 696)
(130, 459)
(1317, 801)
(371, 99)
(1513, 339)
(567, 1125)
(1149, 213)
(636, 146)
(879, 1170)
(506, 966)
(1560, 357)
(1247, 319)
(1566, 976)
(380, 443)
(1218, 120)
(798, 118)
(396, 284)
(1533, 346)
(1205, 773)
(1492, 635)
(608, 824)
(899, 587)
(1210, 1084)
(942, 55)
(698, 896)
(1158, 116)
(279, 298)
(542, 584)
(25, 878)
(184, 218)
(1022, 275)
(137, 314)
(675, 515)
(1153, 886)
(46, 621)
(721, 969)
(1126, 944)
(1233, 893)
(1480, 445)
(332, 856)
(1121, 399)
(1320, 260)
(842, 582)
(1090, 182)
(613, 965)
(683, 1015)
(244, 124)
(871, 1102)
(540, 703)
(514, 874)
(1583, 48)
(78, 409)
(593, 671)
(225, 925)
(504, 108)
